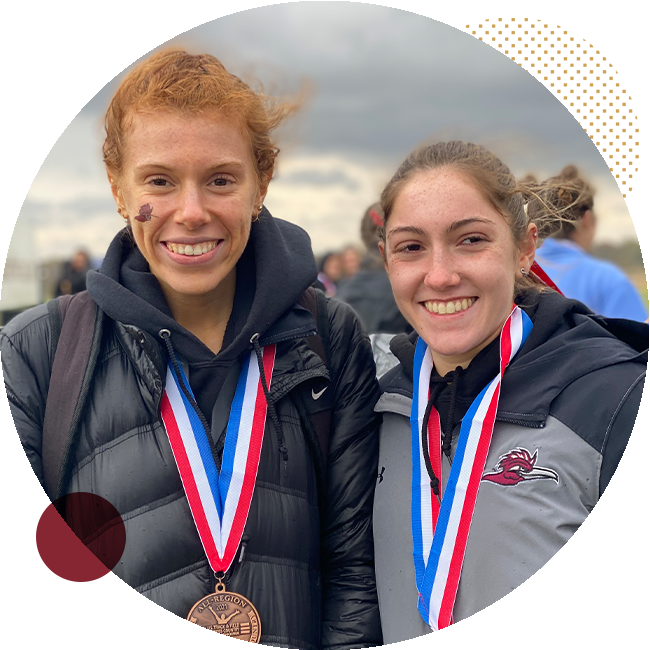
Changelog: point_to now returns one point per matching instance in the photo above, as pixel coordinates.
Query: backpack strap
(316, 302)
(76, 326)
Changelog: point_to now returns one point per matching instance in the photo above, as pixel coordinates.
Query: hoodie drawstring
(165, 335)
(452, 378)
(449, 428)
(270, 405)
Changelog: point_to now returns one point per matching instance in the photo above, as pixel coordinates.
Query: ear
(264, 187)
(588, 220)
(527, 248)
(382, 249)
(117, 195)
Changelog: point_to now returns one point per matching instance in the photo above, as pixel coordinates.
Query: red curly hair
(174, 80)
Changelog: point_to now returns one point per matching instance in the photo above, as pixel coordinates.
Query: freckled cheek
(404, 282)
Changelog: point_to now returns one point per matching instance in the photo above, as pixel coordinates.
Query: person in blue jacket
(565, 257)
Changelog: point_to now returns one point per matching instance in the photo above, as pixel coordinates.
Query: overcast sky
(381, 82)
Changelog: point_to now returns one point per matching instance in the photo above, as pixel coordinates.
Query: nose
(441, 272)
(192, 212)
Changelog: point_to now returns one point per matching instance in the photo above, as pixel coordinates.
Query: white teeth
(187, 249)
(449, 307)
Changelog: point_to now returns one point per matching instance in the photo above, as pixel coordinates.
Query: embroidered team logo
(517, 466)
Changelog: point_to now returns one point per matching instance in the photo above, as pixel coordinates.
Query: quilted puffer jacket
(306, 556)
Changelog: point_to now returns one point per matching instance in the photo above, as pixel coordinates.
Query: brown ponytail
(559, 202)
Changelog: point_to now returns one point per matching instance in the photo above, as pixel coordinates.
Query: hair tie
(377, 220)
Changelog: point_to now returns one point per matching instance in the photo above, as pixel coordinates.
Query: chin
(194, 290)
(455, 348)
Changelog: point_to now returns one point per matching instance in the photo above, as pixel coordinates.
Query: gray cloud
(42, 213)
(385, 75)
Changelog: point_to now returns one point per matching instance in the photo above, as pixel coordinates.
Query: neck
(206, 315)
(582, 239)
(446, 364)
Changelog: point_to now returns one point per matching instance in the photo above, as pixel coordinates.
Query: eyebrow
(466, 222)
(154, 165)
(400, 229)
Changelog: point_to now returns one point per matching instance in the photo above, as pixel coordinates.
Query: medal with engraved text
(227, 613)
(220, 500)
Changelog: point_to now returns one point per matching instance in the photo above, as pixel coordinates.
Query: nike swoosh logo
(318, 394)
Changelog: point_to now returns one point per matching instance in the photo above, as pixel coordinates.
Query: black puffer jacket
(308, 569)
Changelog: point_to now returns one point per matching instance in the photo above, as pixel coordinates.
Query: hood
(274, 270)
(567, 342)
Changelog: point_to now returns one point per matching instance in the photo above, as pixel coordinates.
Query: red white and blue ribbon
(219, 501)
(440, 529)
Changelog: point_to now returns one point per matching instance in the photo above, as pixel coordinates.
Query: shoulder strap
(76, 325)
(316, 302)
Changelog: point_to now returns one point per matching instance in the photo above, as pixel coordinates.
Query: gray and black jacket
(306, 560)
(568, 404)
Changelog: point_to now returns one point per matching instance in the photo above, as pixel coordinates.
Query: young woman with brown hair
(505, 385)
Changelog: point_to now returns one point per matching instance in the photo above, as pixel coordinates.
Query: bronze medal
(227, 613)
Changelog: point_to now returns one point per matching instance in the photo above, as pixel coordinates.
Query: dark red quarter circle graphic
(80, 537)
(60, 556)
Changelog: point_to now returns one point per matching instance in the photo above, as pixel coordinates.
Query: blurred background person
(330, 272)
(368, 292)
(566, 258)
(350, 261)
(73, 277)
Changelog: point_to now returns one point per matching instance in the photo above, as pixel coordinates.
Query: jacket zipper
(241, 551)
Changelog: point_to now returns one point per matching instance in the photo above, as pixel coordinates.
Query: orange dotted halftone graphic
(581, 77)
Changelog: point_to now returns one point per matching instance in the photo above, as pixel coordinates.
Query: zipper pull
(242, 551)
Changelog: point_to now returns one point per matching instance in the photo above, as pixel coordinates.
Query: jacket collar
(295, 361)
(567, 342)
(274, 270)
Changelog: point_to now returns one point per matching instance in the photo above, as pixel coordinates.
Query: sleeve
(350, 610)
(620, 299)
(29, 612)
(624, 514)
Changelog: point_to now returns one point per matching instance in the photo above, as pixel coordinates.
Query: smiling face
(452, 263)
(190, 188)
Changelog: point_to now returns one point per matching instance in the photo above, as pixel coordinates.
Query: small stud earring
(524, 272)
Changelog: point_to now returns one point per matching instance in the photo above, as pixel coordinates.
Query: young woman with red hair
(200, 416)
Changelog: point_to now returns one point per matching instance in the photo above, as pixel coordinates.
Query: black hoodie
(306, 557)
(274, 270)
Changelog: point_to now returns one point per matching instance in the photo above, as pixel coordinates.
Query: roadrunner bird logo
(516, 466)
